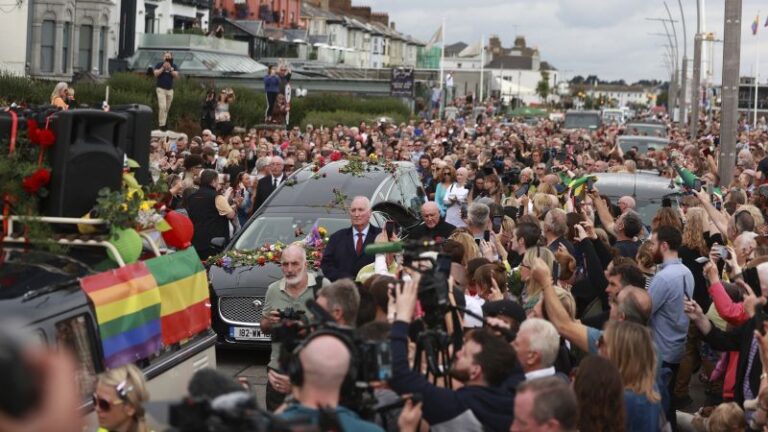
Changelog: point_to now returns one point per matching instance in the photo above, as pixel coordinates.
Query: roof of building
(511, 62)
(252, 27)
(546, 66)
(200, 63)
(454, 49)
(308, 10)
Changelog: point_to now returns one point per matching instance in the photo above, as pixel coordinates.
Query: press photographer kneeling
(481, 365)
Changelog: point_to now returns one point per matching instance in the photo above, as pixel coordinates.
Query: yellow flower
(322, 231)
(373, 157)
(146, 205)
(270, 256)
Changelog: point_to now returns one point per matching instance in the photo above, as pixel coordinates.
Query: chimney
(392, 25)
(381, 18)
(363, 12)
(340, 5)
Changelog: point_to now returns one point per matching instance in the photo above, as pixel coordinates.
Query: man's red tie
(359, 245)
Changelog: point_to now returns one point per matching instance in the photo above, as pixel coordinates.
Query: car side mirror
(218, 242)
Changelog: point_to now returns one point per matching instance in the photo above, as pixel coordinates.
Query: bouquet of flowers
(313, 244)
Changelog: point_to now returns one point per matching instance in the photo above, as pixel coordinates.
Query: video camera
(373, 358)
(433, 286)
(432, 340)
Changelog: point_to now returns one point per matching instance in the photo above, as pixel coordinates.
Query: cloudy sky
(610, 38)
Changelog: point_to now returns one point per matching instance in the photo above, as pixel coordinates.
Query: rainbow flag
(183, 287)
(127, 305)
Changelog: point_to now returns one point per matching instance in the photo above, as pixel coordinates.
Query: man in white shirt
(537, 344)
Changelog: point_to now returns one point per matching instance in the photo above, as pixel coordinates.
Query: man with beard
(292, 291)
(481, 365)
(669, 288)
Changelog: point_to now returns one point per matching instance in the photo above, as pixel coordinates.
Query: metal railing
(79, 240)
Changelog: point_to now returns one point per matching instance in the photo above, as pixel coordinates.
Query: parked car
(647, 188)
(589, 120)
(642, 143)
(611, 115)
(652, 129)
(41, 291)
(303, 200)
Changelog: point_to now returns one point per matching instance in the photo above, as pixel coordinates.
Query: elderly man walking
(433, 227)
(343, 257)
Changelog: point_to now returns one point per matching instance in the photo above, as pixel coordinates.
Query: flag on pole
(436, 39)
(755, 24)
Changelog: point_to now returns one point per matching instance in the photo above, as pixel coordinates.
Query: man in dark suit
(268, 184)
(433, 227)
(343, 256)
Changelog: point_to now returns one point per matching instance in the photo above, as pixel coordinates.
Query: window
(67, 38)
(149, 18)
(76, 334)
(47, 40)
(86, 47)
(102, 48)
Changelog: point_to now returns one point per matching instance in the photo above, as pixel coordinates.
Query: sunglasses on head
(103, 404)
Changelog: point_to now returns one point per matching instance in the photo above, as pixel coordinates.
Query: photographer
(165, 72)
(481, 365)
(318, 371)
(291, 292)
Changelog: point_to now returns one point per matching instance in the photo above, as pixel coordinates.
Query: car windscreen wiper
(38, 292)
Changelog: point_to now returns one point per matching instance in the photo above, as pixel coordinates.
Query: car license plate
(247, 333)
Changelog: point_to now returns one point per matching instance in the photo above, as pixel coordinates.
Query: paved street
(245, 363)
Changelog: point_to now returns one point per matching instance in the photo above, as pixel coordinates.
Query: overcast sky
(609, 38)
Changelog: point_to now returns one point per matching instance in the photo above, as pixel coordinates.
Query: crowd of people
(576, 312)
(585, 284)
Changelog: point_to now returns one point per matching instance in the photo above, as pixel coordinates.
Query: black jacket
(442, 231)
(264, 189)
(208, 224)
(340, 260)
(446, 408)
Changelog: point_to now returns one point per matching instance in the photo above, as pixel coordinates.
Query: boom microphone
(399, 246)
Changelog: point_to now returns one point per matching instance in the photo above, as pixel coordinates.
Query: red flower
(38, 179)
(261, 260)
(321, 161)
(335, 156)
(42, 137)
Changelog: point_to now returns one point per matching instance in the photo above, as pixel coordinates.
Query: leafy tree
(577, 80)
(592, 80)
(542, 88)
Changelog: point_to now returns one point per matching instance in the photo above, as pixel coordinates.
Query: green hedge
(248, 109)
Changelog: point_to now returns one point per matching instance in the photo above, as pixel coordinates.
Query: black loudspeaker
(88, 156)
(138, 134)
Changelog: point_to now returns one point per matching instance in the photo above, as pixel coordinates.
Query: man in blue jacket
(481, 365)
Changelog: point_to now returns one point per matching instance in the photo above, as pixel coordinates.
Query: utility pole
(684, 68)
(696, 87)
(693, 125)
(673, 88)
(730, 93)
